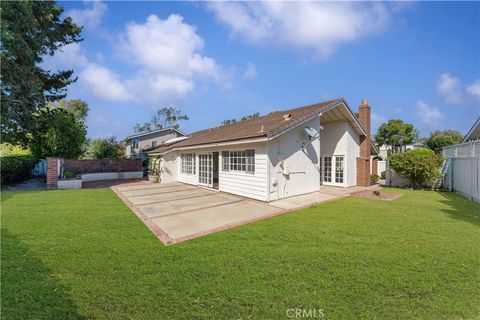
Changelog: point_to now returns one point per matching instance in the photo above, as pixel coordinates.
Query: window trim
(192, 163)
(242, 158)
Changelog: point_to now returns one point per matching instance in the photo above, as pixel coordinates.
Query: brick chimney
(363, 161)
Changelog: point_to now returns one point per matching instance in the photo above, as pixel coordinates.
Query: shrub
(16, 168)
(374, 178)
(420, 167)
(376, 192)
(383, 174)
(69, 174)
(107, 148)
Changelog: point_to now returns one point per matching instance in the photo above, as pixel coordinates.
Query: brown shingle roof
(265, 126)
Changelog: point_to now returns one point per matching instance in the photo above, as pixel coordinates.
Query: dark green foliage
(251, 116)
(68, 174)
(30, 30)
(382, 174)
(396, 133)
(421, 167)
(78, 108)
(57, 134)
(376, 192)
(164, 118)
(374, 178)
(16, 168)
(106, 148)
(440, 139)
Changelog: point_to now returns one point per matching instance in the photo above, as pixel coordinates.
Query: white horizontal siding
(246, 184)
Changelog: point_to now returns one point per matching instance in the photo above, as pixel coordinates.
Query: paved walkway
(29, 184)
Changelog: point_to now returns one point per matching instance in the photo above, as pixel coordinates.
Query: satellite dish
(312, 135)
(311, 132)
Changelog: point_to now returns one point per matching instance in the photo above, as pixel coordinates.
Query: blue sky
(419, 62)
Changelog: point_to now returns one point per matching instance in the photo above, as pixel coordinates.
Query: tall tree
(56, 133)
(244, 118)
(164, 118)
(30, 30)
(78, 108)
(440, 139)
(396, 133)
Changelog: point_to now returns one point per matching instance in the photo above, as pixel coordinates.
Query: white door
(333, 170)
(205, 169)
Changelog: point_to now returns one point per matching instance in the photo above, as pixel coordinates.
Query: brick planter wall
(94, 166)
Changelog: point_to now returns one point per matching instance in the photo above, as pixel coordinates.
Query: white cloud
(169, 56)
(319, 27)
(474, 89)
(69, 56)
(167, 59)
(89, 17)
(431, 116)
(170, 47)
(250, 72)
(449, 89)
(104, 83)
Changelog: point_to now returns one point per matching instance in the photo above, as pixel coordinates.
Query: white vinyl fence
(462, 169)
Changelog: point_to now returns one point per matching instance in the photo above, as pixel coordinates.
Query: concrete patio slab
(176, 212)
(200, 221)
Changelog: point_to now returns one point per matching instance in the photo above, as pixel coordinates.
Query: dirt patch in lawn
(378, 195)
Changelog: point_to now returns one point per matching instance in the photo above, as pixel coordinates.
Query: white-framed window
(239, 160)
(187, 163)
(154, 143)
(134, 144)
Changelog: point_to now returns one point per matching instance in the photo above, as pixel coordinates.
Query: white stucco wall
(169, 167)
(303, 166)
(340, 139)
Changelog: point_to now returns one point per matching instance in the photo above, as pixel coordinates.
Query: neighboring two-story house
(137, 144)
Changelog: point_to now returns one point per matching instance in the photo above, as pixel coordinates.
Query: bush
(69, 174)
(108, 148)
(374, 178)
(383, 174)
(421, 167)
(16, 168)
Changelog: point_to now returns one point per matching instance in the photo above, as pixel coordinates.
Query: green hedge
(16, 168)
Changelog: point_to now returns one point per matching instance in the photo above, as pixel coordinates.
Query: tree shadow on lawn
(29, 289)
(461, 208)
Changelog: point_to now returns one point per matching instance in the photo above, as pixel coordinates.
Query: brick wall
(106, 165)
(52, 173)
(374, 166)
(363, 172)
(363, 161)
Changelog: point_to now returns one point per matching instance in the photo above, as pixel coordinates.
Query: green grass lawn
(82, 254)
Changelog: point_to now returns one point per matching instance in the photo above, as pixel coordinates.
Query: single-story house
(137, 144)
(283, 154)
